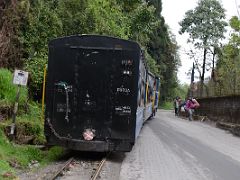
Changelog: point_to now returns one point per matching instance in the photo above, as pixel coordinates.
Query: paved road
(171, 148)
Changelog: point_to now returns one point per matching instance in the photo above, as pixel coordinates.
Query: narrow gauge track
(75, 165)
(68, 162)
(94, 168)
(99, 168)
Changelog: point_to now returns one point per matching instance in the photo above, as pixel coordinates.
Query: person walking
(176, 105)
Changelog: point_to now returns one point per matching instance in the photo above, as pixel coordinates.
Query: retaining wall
(220, 109)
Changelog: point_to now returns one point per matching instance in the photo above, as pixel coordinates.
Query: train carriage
(95, 95)
(149, 96)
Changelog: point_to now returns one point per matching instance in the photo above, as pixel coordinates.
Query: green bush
(167, 105)
(54, 153)
(35, 67)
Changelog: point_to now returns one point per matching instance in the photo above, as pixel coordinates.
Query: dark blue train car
(96, 93)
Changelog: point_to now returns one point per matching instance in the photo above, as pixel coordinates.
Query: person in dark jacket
(176, 105)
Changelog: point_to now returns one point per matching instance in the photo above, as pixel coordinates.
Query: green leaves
(143, 23)
(74, 17)
(109, 20)
(205, 23)
(41, 25)
(228, 66)
(235, 23)
(35, 66)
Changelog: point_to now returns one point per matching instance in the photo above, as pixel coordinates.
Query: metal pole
(15, 112)
(43, 92)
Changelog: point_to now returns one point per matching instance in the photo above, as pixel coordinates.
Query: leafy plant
(167, 105)
(35, 67)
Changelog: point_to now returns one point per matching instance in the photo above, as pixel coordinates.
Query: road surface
(171, 148)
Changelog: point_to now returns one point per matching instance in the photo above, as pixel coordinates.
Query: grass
(8, 90)
(28, 122)
(167, 105)
(15, 156)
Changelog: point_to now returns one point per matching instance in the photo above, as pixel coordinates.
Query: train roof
(95, 42)
(103, 42)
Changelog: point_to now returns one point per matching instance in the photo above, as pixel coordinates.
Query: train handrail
(64, 85)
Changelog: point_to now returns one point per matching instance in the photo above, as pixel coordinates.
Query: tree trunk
(213, 67)
(203, 71)
(204, 64)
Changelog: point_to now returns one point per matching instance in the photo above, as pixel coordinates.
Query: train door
(93, 83)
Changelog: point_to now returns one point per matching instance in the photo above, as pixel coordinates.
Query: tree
(228, 66)
(108, 20)
(10, 47)
(143, 23)
(39, 24)
(163, 48)
(206, 26)
(76, 17)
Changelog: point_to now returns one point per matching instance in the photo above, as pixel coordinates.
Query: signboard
(20, 77)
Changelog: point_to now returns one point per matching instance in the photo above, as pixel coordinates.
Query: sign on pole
(20, 77)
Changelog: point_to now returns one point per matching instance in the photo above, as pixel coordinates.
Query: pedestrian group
(189, 106)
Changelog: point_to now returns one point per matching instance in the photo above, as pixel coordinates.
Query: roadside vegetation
(15, 155)
(180, 91)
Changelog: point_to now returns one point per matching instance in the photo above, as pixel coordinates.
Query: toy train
(98, 94)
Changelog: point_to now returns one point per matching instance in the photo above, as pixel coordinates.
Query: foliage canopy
(206, 26)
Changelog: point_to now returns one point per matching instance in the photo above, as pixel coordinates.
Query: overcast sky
(173, 12)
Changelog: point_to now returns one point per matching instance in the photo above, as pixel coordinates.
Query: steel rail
(62, 168)
(98, 170)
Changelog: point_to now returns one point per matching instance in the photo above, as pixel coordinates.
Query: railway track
(84, 166)
(56, 174)
(93, 167)
(99, 168)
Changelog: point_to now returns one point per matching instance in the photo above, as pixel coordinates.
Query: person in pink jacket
(190, 106)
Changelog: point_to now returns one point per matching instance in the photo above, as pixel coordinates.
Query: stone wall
(220, 109)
